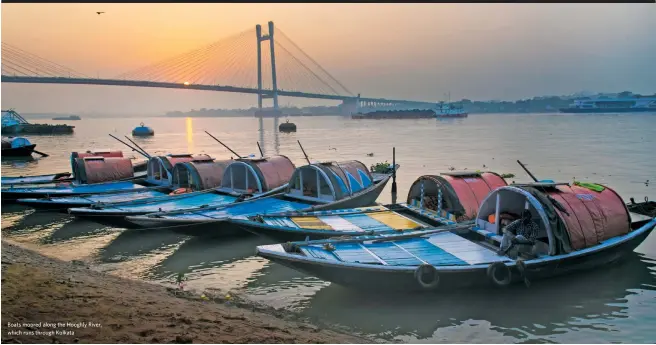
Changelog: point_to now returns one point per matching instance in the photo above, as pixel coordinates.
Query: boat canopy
(15, 142)
(250, 175)
(330, 181)
(570, 217)
(462, 192)
(102, 169)
(199, 175)
(160, 167)
(92, 153)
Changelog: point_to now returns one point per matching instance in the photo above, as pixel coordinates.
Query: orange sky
(409, 51)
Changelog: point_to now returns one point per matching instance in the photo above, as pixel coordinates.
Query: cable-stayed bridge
(242, 63)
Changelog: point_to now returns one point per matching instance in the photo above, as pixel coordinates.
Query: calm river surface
(613, 304)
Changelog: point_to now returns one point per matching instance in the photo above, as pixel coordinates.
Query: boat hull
(64, 203)
(13, 194)
(37, 179)
(22, 151)
(398, 278)
(367, 198)
(227, 226)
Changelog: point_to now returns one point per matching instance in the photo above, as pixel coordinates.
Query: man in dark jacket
(524, 231)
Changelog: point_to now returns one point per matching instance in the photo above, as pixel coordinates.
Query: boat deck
(442, 249)
(171, 204)
(242, 209)
(364, 219)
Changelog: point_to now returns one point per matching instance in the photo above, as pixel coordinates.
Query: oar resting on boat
(466, 256)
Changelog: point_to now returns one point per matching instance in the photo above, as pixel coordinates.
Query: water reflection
(190, 135)
(130, 244)
(546, 308)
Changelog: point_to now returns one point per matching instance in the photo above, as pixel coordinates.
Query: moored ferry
(442, 110)
(612, 105)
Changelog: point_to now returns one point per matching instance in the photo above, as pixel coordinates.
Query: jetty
(14, 123)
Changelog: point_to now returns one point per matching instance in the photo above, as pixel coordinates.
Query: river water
(611, 304)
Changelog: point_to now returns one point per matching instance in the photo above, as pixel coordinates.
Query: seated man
(521, 231)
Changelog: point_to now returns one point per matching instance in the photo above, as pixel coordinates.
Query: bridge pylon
(274, 82)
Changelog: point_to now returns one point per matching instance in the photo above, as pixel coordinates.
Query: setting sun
(186, 83)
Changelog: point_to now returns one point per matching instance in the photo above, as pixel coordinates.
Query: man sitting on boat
(522, 231)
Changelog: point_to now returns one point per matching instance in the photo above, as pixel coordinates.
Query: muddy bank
(46, 300)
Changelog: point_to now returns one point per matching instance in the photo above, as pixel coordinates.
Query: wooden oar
(41, 153)
(135, 144)
(306, 156)
(259, 148)
(224, 145)
(133, 149)
(528, 172)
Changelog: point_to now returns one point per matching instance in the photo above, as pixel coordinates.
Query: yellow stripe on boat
(311, 223)
(394, 220)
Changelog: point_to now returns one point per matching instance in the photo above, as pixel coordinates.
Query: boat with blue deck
(158, 182)
(312, 187)
(580, 227)
(215, 184)
(426, 207)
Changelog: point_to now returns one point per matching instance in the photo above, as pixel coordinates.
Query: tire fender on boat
(427, 276)
(499, 274)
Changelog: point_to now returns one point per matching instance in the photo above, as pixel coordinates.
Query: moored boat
(138, 167)
(433, 200)
(158, 182)
(312, 187)
(17, 147)
(215, 184)
(579, 229)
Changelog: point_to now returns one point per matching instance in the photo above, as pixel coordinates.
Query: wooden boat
(17, 147)
(35, 179)
(580, 229)
(462, 191)
(66, 176)
(158, 182)
(313, 187)
(215, 184)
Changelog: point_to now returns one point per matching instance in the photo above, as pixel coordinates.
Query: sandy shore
(48, 301)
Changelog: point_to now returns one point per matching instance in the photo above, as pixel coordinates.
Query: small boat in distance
(64, 118)
(143, 131)
(441, 110)
(612, 105)
(581, 227)
(17, 147)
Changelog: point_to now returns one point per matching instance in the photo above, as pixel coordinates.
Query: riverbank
(49, 301)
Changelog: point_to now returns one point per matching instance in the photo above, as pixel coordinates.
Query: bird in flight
(99, 13)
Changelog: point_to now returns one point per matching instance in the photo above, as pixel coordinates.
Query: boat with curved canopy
(65, 176)
(212, 185)
(97, 176)
(312, 187)
(433, 200)
(158, 182)
(579, 229)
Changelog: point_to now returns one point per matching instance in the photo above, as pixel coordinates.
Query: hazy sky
(404, 51)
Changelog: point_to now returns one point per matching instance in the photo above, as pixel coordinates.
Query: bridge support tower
(274, 82)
